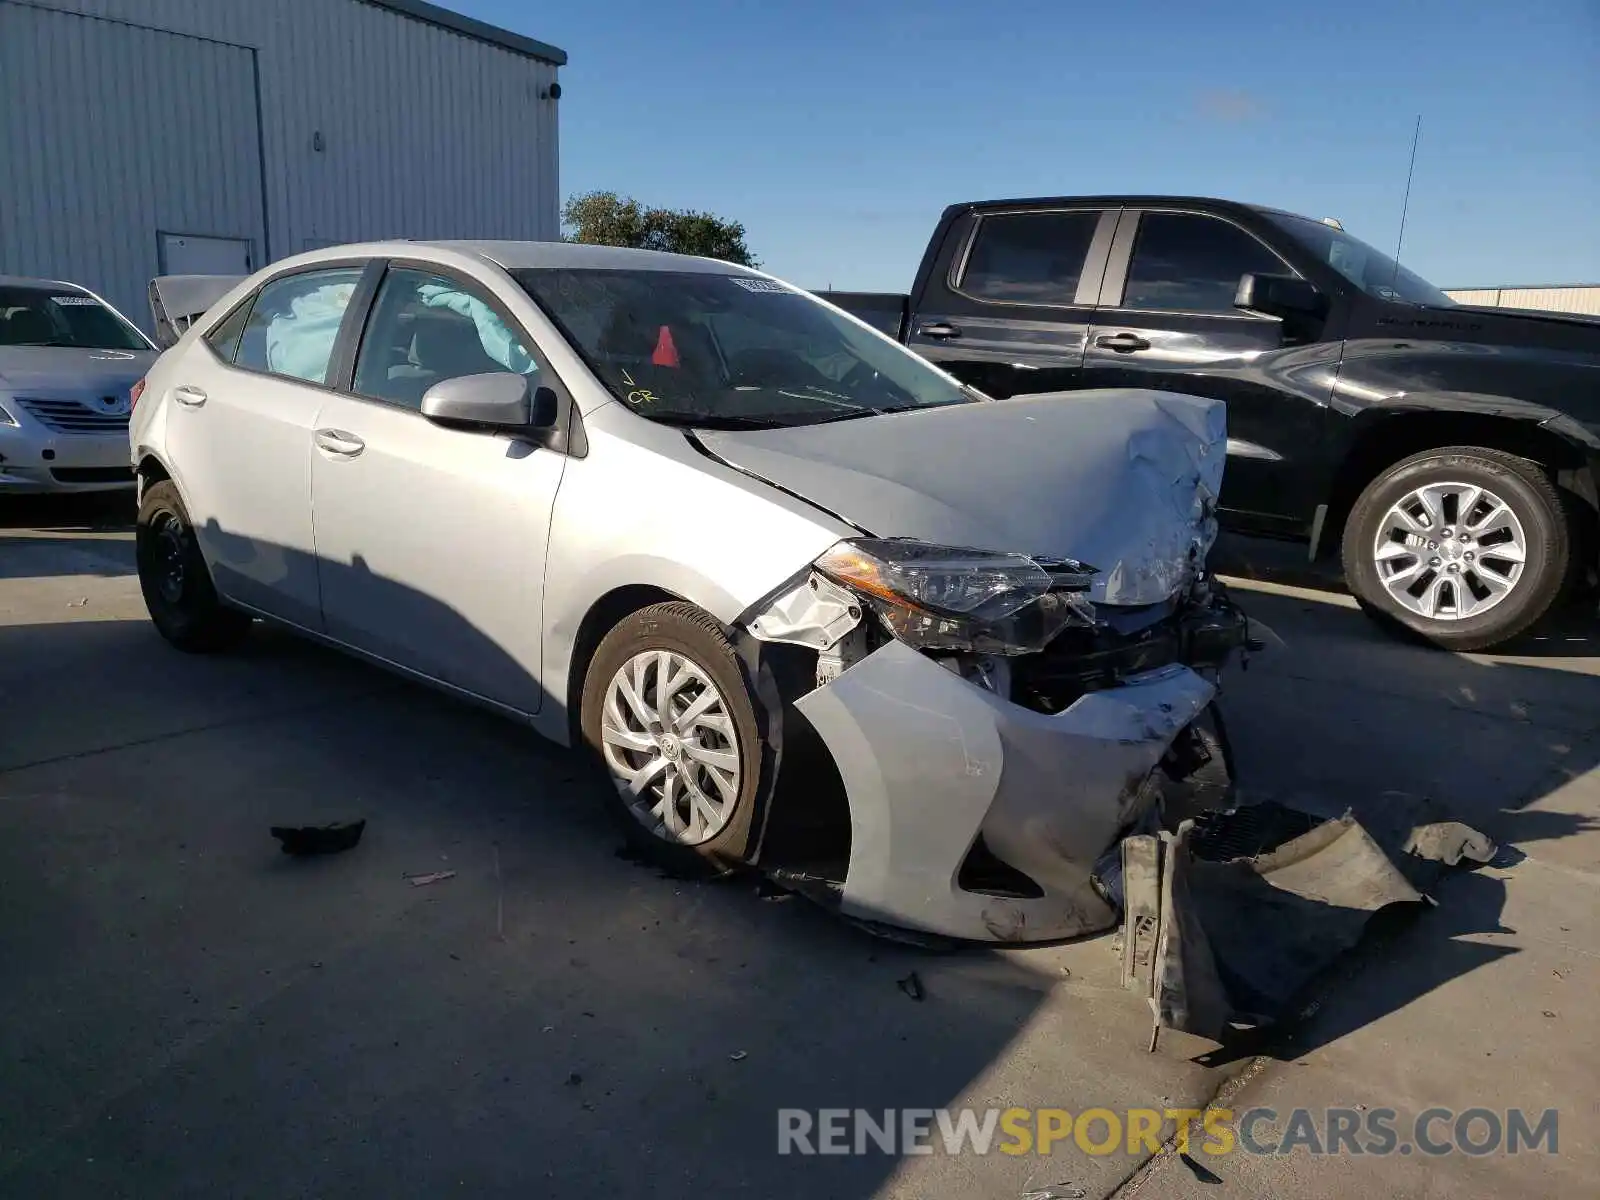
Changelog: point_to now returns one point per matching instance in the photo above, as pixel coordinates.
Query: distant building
(167, 137)
(1556, 297)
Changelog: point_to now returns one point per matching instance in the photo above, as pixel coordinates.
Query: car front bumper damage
(932, 763)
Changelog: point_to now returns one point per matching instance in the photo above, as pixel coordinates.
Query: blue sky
(836, 130)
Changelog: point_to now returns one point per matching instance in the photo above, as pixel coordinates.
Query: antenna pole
(1405, 204)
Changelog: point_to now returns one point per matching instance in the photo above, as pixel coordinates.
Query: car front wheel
(1465, 546)
(667, 712)
(176, 583)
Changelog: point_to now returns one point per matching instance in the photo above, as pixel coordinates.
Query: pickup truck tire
(695, 755)
(175, 581)
(1464, 547)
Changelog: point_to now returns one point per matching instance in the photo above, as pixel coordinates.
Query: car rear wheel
(176, 583)
(668, 714)
(1465, 547)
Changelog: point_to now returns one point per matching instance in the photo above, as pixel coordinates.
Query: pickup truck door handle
(189, 397)
(338, 443)
(939, 329)
(1122, 343)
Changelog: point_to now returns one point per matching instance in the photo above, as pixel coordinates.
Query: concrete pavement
(187, 1012)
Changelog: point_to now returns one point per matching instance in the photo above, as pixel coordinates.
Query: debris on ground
(1449, 842)
(430, 877)
(738, 1056)
(1056, 1191)
(305, 840)
(1229, 917)
(1201, 1172)
(911, 985)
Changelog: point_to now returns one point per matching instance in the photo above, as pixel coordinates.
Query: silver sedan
(788, 583)
(68, 362)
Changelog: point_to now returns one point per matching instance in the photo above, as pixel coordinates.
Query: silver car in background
(789, 583)
(68, 362)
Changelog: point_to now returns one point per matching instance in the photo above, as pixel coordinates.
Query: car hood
(49, 370)
(1124, 480)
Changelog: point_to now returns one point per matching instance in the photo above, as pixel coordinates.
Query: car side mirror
(1279, 296)
(500, 401)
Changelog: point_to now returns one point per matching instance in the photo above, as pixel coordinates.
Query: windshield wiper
(691, 420)
(56, 343)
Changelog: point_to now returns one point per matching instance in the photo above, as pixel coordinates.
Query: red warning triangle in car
(666, 354)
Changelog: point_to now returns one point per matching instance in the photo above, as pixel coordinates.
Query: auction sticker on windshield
(761, 285)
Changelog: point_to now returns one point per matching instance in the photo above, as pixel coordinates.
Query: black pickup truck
(1449, 453)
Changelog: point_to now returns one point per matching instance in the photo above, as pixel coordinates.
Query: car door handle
(338, 443)
(1122, 343)
(189, 397)
(941, 330)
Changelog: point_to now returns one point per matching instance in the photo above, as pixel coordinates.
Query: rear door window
(224, 339)
(1029, 258)
(294, 323)
(1191, 263)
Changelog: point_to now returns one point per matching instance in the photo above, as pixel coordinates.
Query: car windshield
(1373, 271)
(35, 316)
(735, 351)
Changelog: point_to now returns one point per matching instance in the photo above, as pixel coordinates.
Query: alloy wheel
(1450, 551)
(671, 747)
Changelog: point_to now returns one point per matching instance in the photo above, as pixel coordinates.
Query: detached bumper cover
(930, 762)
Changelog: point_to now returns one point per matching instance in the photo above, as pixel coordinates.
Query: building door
(185, 254)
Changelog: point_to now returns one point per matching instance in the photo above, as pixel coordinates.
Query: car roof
(1215, 202)
(28, 281)
(516, 255)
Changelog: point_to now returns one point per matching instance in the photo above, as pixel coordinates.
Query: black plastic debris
(1228, 919)
(305, 840)
(911, 985)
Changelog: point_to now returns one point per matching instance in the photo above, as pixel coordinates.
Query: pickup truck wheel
(1465, 546)
(667, 713)
(175, 581)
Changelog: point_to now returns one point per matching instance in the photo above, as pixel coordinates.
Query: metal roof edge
(471, 27)
(1522, 287)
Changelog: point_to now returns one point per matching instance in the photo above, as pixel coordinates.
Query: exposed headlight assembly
(958, 599)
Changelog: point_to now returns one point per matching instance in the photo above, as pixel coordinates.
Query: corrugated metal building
(146, 137)
(1557, 297)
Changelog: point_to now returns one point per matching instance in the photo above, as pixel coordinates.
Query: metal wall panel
(84, 199)
(1578, 298)
(423, 132)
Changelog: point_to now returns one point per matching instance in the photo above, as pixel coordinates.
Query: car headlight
(5, 416)
(958, 599)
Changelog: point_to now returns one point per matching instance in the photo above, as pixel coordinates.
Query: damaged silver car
(814, 604)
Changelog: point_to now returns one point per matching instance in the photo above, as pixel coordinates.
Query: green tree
(607, 219)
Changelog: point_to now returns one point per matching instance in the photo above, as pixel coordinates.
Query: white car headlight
(5, 414)
(959, 599)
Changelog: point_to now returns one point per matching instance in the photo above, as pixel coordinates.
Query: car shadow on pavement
(56, 557)
(80, 511)
(1572, 631)
(1342, 717)
(191, 1002)
(188, 1005)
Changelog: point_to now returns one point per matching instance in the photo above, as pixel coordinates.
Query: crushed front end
(993, 742)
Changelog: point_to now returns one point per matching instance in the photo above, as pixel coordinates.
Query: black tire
(176, 583)
(688, 631)
(1526, 490)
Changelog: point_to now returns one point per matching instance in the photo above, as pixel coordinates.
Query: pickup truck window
(1188, 262)
(1028, 258)
(1373, 271)
(730, 351)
